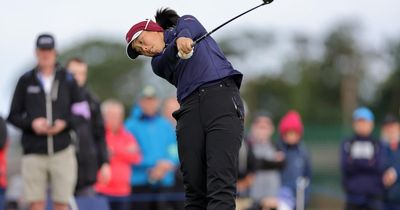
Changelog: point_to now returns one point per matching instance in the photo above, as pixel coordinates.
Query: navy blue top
(363, 162)
(297, 164)
(392, 194)
(207, 64)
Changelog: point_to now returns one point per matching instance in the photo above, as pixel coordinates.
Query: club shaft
(215, 29)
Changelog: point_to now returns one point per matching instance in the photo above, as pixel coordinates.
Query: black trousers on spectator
(178, 188)
(373, 204)
(117, 202)
(150, 203)
(209, 132)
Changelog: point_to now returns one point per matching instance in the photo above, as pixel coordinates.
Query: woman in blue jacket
(210, 119)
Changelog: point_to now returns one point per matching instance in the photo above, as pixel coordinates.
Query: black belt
(225, 82)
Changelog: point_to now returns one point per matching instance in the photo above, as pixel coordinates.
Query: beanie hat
(291, 122)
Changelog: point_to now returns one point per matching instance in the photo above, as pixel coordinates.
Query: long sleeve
(18, 115)
(76, 95)
(172, 150)
(308, 175)
(3, 133)
(129, 152)
(189, 27)
(270, 164)
(383, 158)
(252, 164)
(99, 133)
(164, 64)
(307, 170)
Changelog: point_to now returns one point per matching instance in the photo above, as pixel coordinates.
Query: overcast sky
(72, 20)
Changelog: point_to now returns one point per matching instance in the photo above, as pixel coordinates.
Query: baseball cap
(135, 31)
(148, 92)
(45, 41)
(390, 118)
(363, 113)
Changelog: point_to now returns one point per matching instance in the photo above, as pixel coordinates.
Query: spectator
(297, 166)
(41, 108)
(363, 164)
(156, 138)
(124, 151)
(267, 180)
(391, 134)
(3, 149)
(90, 144)
(246, 170)
(170, 105)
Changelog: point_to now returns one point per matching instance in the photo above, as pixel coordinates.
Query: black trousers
(209, 133)
(373, 204)
(117, 202)
(150, 203)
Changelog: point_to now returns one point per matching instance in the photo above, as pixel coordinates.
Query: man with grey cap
(41, 108)
(156, 138)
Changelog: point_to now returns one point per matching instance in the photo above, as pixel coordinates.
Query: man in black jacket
(91, 151)
(3, 133)
(41, 108)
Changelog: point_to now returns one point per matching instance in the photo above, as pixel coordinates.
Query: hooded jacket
(363, 162)
(297, 159)
(90, 143)
(392, 194)
(30, 102)
(124, 152)
(157, 140)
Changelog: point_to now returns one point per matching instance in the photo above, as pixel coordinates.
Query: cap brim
(45, 47)
(362, 118)
(130, 52)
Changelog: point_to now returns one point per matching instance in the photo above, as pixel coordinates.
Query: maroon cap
(135, 31)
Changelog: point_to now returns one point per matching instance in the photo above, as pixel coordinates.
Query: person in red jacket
(3, 150)
(124, 151)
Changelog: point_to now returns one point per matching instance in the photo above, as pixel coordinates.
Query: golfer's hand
(184, 45)
(389, 177)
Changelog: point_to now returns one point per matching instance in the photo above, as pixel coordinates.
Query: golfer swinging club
(210, 119)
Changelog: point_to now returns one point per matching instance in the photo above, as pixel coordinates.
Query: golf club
(265, 2)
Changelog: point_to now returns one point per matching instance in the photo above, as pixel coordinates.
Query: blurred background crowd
(317, 82)
(77, 150)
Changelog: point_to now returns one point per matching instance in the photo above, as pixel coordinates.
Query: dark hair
(390, 118)
(166, 18)
(75, 59)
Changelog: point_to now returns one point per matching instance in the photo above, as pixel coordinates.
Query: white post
(301, 185)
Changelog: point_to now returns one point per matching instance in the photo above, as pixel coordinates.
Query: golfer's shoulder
(187, 19)
(191, 22)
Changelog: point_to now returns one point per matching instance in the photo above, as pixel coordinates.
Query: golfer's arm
(189, 27)
(164, 64)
